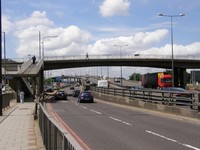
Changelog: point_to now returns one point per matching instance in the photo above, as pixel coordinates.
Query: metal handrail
(163, 97)
(53, 135)
(110, 56)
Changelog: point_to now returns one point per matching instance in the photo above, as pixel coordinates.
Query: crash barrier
(191, 99)
(6, 98)
(53, 135)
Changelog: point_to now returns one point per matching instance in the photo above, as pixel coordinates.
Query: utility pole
(1, 98)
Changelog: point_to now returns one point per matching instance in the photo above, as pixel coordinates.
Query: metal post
(172, 41)
(39, 45)
(121, 66)
(4, 47)
(1, 65)
(45, 37)
(120, 47)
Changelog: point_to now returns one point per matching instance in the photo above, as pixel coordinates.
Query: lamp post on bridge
(171, 19)
(120, 47)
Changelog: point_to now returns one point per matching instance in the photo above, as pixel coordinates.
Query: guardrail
(53, 135)
(191, 99)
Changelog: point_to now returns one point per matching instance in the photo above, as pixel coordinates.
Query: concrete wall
(6, 98)
(148, 105)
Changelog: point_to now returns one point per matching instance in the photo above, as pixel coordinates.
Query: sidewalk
(18, 129)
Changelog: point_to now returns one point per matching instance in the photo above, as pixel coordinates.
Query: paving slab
(18, 129)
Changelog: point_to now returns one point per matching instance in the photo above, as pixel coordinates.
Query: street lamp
(120, 47)
(1, 97)
(45, 37)
(4, 47)
(43, 43)
(171, 17)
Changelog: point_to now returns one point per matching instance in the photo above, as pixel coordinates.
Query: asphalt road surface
(103, 126)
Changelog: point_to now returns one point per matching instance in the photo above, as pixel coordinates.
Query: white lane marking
(115, 119)
(192, 147)
(95, 111)
(172, 140)
(83, 107)
(161, 136)
(129, 124)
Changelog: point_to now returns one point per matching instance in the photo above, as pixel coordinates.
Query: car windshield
(61, 92)
(86, 94)
(176, 89)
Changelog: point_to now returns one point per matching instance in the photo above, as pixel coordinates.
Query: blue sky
(94, 26)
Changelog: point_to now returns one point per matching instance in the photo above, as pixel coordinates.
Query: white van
(102, 83)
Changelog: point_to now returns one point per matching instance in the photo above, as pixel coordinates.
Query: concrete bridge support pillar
(183, 79)
(40, 87)
(180, 77)
(34, 86)
(176, 77)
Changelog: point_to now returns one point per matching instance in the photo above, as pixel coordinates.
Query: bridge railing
(24, 66)
(110, 56)
(191, 99)
(130, 56)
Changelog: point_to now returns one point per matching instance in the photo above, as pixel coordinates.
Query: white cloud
(139, 41)
(70, 41)
(7, 24)
(188, 50)
(114, 7)
(37, 18)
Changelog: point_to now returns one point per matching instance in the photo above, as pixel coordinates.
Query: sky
(95, 26)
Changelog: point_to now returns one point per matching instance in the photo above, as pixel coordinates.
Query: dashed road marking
(95, 111)
(83, 107)
(172, 140)
(124, 122)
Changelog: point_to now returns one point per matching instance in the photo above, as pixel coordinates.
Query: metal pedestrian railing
(53, 135)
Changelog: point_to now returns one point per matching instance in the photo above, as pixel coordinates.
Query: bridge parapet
(130, 56)
(24, 66)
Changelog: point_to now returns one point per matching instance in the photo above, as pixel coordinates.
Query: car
(76, 93)
(85, 96)
(60, 95)
(49, 89)
(70, 93)
(136, 88)
(93, 84)
(71, 88)
(182, 96)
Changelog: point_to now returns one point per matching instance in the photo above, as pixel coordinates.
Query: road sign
(8, 77)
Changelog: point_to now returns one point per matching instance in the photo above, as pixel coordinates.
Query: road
(104, 126)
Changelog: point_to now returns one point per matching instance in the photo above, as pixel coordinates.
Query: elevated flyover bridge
(20, 69)
(181, 63)
(156, 61)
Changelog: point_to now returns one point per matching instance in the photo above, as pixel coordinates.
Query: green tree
(135, 77)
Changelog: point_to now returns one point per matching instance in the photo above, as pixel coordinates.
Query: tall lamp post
(171, 17)
(1, 103)
(120, 47)
(45, 37)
